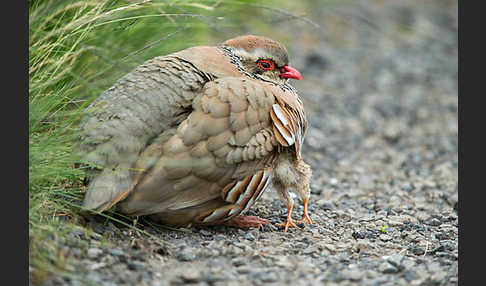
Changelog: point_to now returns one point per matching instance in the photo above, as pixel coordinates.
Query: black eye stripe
(265, 65)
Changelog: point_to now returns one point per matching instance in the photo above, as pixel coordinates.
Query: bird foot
(245, 221)
(305, 219)
(288, 223)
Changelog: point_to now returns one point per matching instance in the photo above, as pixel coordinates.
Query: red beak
(288, 72)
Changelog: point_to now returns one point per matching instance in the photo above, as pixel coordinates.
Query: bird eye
(266, 64)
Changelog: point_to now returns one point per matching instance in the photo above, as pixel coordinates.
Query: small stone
(407, 187)
(95, 266)
(191, 276)
(242, 246)
(438, 276)
(353, 274)
(394, 223)
(410, 275)
(330, 247)
(441, 236)
(446, 255)
(417, 250)
(77, 233)
(116, 252)
(284, 262)
(94, 252)
(311, 250)
(204, 232)
(363, 245)
(243, 270)
(300, 245)
(358, 234)
(186, 254)
(249, 237)
(433, 222)
(239, 261)
(94, 277)
(135, 265)
(385, 237)
(387, 268)
(333, 181)
(327, 206)
(396, 260)
(76, 252)
(268, 277)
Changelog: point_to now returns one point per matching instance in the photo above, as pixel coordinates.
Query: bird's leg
(286, 199)
(303, 187)
(305, 217)
(245, 221)
(289, 221)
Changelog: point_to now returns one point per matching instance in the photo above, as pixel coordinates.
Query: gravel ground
(381, 93)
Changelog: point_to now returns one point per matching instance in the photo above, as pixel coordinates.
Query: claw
(305, 217)
(289, 221)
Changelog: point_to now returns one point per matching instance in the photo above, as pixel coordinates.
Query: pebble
(191, 276)
(407, 187)
(333, 181)
(204, 232)
(396, 260)
(76, 252)
(94, 252)
(417, 250)
(186, 254)
(243, 270)
(135, 265)
(239, 261)
(268, 276)
(359, 234)
(385, 237)
(249, 237)
(96, 265)
(116, 252)
(386, 268)
(353, 274)
(94, 277)
(433, 222)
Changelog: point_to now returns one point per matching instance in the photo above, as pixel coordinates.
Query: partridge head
(197, 136)
(263, 59)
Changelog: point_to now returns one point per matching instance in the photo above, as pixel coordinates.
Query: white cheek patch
(257, 54)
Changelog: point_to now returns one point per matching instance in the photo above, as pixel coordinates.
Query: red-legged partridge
(197, 136)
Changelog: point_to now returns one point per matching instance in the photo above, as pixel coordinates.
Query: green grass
(77, 49)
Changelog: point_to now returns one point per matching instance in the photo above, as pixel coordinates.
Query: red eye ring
(266, 64)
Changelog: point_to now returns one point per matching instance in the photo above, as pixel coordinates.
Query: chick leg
(305, 217)
(303, 187)
(287, 200)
